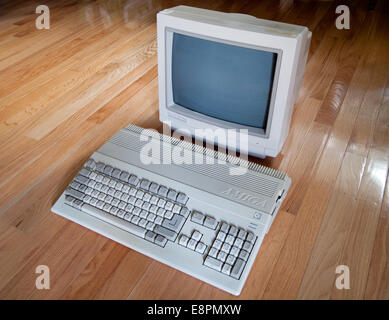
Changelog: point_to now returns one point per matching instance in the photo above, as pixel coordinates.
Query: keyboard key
(238, 243)
(146, 206)
(185, 212)
(139, 203)
(230, 239)
(98, 186)
(226, 247)
(226, 269)
(125, 197)
(135, 219)
(81, 179)
(154, 200)
(176, 208)
(161, 203)
(234, 251)
(150, 235)
(230, 259)
(172, 195)
(92, 175)
(114, 211)
(210, 222)
(124, 176)
(183, 240)
(145, 184)
(69, 199)
(213, 252)
(87, 199)
(224, 227)
(160, 240)
(175, 223)
(153, 209)
(201, 247)
(222, 256)
(142, 223)
(111, 191)
(143, 214)
(100, 204)
(122, 205)
(192, 244)
(169, 205)
(116, 173)
(247, 246)
(119, 186)
(74, 193)
(221, 236)
(158, 220)
(244, 255)
(147, 197)
(85, 172)
(129, 208)
(91, 183)
(242, 234)
(169, 234)
(107, 207)
(161, 212)
(237, 269)
(150, 226)
(118, 194)
(151, 217)
(105, 180)
(197, 217)
(162, 191)
(182, 198)
(196, 235)
(213, 263)
(250, 237)
(154, 187)
(126, 188)
(133, 180)
(100, 166)
(217, 244)
(168, 214)
(233, 231)
(121, 214)
(108, 170)
(91, 164)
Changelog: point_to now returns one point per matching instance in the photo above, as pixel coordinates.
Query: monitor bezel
(182, 110)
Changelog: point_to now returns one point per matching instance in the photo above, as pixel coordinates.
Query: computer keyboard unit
(194, 217)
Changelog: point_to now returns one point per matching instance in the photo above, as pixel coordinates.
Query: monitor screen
(223, 81)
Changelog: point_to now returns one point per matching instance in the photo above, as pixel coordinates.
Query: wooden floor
(66, 90)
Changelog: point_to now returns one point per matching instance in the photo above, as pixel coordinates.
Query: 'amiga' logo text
(239, 195)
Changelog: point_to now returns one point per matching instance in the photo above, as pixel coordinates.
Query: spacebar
(117, 222)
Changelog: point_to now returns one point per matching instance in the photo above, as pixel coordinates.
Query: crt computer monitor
(230, 71)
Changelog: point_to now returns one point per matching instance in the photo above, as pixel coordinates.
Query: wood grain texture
(66, 90)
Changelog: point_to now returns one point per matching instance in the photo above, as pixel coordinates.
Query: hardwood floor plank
(377, 286)
(294, 257)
